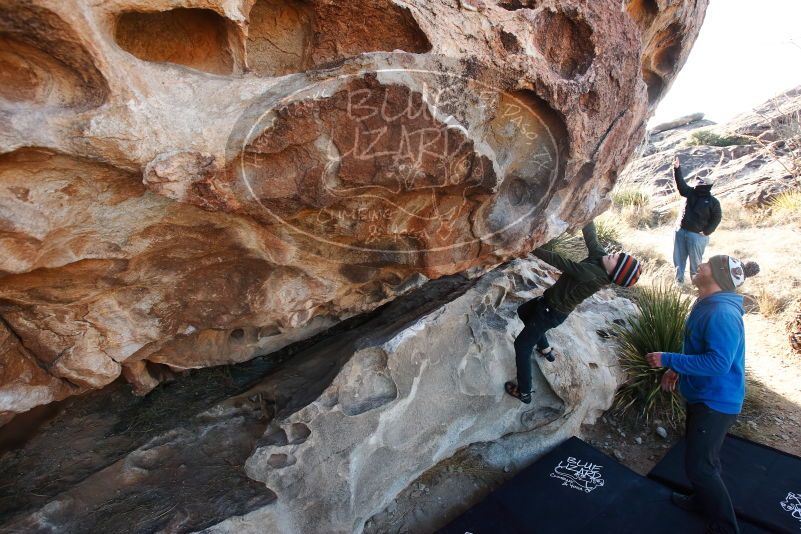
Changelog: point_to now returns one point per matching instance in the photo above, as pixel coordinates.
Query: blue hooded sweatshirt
(712, 367)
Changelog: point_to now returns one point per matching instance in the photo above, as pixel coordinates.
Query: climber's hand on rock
(676, 162)
(654, 359)
(669, 380)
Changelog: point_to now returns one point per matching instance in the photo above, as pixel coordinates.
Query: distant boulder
(675, 123)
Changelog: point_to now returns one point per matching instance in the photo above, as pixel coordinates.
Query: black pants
(706, 429)
(538, 319)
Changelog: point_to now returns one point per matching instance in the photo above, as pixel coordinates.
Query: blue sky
(747, 52)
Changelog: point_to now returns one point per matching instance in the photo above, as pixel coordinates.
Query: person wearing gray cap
(710, 372)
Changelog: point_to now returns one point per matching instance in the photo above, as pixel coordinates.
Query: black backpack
(699, 212)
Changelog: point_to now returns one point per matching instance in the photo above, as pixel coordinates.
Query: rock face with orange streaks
(187, 184)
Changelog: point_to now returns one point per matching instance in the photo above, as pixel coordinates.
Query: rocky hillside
(751, 158)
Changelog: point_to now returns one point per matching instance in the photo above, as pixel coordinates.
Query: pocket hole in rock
(276, 437)
(643, 12)
(237, 334)
(195, 38)
(513, 5)
(668, 47)
(278, 461)
(298, 433)
(565, 41)
(43, 63)
(287, 36)
(655, 85)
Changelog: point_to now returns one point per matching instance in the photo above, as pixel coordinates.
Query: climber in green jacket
(578, 281)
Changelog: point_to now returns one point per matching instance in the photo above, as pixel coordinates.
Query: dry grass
(768, 303)
(639, 216)
(630, 196)
(632, 207)
(671, 215)
(785, 208)
(768, 236)
(763, 236)
(736, 216)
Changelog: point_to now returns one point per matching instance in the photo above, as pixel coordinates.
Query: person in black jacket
(578, 281)
(699, 219)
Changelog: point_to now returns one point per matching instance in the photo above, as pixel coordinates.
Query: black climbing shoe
(685, 502)
(550, 356)
(511, 389)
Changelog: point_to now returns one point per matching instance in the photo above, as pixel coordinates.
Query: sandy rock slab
(191, 184)
(410, 397)
(333, 435)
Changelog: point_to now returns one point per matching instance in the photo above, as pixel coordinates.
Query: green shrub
(630, 197)
(710, 138)
(657, 327)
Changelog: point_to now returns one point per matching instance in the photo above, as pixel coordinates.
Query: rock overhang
(138, 235)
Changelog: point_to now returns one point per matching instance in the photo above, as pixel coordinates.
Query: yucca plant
(786, 202)
(658, 326)
(608, 231)
(566, 245)
(558, 243)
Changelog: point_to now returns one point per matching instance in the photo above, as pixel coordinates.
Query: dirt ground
(771, 412)
(772, 409)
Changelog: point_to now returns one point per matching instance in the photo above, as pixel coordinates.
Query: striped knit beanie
(626, 271)
(730, 273)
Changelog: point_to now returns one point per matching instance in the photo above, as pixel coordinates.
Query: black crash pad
(764, 483)
(577, 488)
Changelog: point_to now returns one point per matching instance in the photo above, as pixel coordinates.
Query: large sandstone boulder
(422, 394)
(188, 184)
(331, 438)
